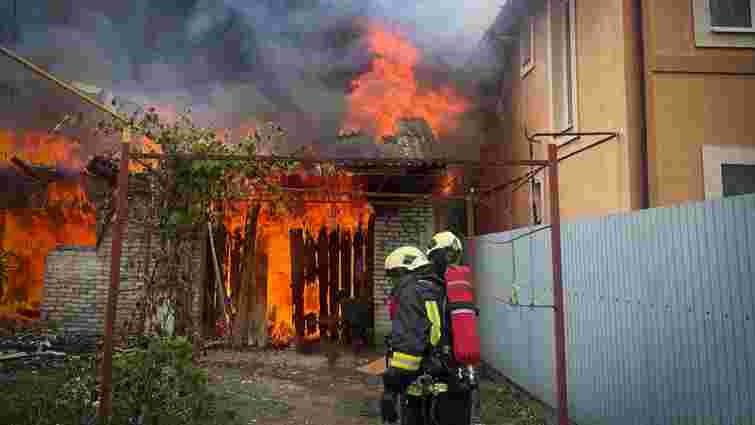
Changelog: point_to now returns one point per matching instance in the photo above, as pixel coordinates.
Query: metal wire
(525, 305)
(512, 240)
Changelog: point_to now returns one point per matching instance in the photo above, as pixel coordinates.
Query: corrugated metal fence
(660, 309)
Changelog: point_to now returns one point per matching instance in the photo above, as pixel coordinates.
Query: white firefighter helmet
(407, 257)
(444, 240)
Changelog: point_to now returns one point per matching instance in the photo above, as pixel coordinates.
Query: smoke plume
(234, 61)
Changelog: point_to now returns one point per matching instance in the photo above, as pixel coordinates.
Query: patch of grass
(360, 408)
(44, 397)
(502, 404)
(244, 400)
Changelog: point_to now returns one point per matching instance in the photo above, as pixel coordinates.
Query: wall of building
(396, 227)
(77, 279)
(695, 96)
(71, 293)
(603, 180)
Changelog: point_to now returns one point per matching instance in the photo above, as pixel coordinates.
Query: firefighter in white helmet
(461, 405)
(396, 268)
(417, 327)
(445, 249)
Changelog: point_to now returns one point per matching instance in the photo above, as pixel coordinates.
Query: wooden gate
(340, 265)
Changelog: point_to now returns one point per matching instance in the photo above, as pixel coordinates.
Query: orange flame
(144, 145)
(30, 234)
(274, 226)
(40, 148)
(390, 92)
(67, 218)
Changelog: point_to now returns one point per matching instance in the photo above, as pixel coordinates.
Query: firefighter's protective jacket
(419, 322)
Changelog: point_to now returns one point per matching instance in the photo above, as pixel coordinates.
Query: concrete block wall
(396, 227)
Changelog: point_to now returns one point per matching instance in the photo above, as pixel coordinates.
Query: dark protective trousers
(451, 408)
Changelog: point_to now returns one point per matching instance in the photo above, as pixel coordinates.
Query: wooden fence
(339, 265)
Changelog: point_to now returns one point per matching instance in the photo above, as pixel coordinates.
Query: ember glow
(390, 91)
(273, 241)
(144, 145)
(66, 217)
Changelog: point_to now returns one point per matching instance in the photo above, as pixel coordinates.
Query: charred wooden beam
(334, 256)
(346, 283)
(359, 269)
(41, 173)
(259, 314)
(322, 276)
(324, 190)
(297, 280)
(370, 265)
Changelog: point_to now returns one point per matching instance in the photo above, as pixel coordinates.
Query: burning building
(43, 205)
(329, 242)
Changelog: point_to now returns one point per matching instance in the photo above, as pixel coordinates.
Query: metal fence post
(106, 397)
(559, 327)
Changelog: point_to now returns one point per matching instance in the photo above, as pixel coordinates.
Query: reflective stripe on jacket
(418, 324)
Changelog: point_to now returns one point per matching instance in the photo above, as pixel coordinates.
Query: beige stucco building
(672, 77)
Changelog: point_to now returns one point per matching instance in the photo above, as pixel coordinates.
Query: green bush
(160, 384)
(156, 383)
(54, 396)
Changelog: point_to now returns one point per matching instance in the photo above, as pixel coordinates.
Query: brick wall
(396, 227)
(70, 291)
(77, 279)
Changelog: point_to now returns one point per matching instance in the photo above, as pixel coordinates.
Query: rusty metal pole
(106, 396)
(559, 328)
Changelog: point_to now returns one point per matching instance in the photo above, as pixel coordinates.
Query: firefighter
(445, 250)
(417, 329)
(460, 405)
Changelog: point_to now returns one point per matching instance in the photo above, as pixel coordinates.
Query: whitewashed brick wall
(70, 292)
(77, 279)
(395, 228)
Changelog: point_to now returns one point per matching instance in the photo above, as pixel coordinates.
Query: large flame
(66, 218)
(40, 148)
(390, 92)
(311, 212)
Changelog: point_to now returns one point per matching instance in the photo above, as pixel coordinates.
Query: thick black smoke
(233, 60)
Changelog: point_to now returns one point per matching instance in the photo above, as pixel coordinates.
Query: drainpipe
(638, 28)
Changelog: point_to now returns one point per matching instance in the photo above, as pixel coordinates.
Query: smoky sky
(235, 60)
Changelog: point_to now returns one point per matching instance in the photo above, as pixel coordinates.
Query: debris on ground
(309, 389)
(374, 368)
(40, 345)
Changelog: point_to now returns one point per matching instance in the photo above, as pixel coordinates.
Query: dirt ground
(286, 387)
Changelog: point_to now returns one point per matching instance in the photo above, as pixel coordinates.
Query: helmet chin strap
(439, 260)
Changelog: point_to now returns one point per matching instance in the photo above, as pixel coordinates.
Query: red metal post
(115, 277)
(559, 328)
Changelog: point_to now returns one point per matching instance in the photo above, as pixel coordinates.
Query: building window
(737, 179)
(563, 65)
(724, 23)
(731, 15)
(527, 45)
(537, 200)
(728, 171)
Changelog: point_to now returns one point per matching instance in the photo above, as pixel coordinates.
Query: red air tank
(463, 315)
